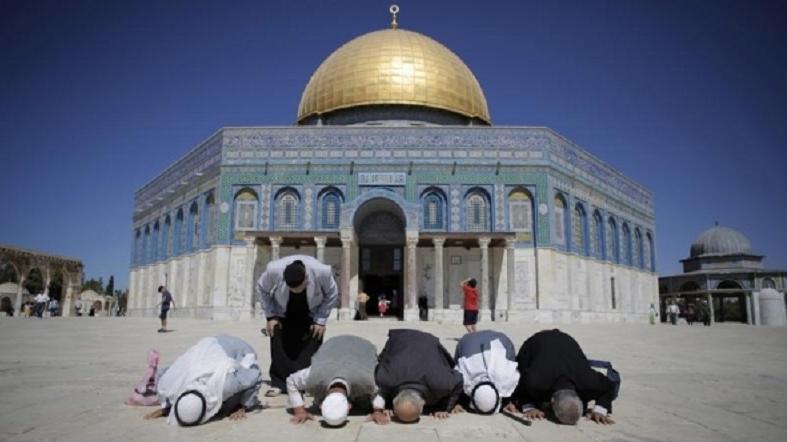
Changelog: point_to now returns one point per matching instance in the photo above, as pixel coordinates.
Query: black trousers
(292, 348)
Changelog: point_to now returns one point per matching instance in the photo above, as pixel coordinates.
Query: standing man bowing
(297, 294)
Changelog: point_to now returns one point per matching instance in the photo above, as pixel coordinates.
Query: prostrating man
(216, 377)
(487, 361)
(297, 294)
(556, 374)
(414, 371)
(341, 376)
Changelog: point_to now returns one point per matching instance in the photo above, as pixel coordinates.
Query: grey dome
(720, 241)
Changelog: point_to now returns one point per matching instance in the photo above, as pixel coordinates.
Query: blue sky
(687, 97)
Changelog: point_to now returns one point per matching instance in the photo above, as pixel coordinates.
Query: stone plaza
(66, 380)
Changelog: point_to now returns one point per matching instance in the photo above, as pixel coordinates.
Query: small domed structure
(720, 241)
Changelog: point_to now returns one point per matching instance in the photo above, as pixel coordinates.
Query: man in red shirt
(471, 304)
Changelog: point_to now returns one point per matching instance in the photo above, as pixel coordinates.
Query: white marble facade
(219, 284)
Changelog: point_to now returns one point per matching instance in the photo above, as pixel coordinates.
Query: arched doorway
(380, 228)
(729, 307)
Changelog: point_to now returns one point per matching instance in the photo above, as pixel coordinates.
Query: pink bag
(146, 393)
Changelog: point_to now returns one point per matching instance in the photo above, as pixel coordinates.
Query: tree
(34, 282)
(93, 284)
(7, 274)
(110, 290)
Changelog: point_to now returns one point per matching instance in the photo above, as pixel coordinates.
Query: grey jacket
(321, 290)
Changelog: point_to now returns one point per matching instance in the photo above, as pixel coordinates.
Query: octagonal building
(395, 175)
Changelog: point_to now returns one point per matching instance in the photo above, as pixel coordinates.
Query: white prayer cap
(190, 408)
(335, 409)
(485, 399)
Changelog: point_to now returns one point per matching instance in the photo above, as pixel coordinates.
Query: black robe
(552, 360)
(416, 360)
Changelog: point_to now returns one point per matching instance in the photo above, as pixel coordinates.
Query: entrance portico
(380, 253)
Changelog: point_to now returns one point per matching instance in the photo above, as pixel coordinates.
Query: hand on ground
(441, 415)
(534, 413)
(600, 418)
(381, 417)
(155, 414)
(300, 415)
(239, 414)
(511, 408)
(457, 409)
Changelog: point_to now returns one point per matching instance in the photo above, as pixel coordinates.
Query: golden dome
(393, 66)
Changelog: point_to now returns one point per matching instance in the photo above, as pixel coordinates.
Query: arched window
(613, 245)
(639, 258)
(647, 252)
(578, 230)
(433, 205)
(768, 283)
(560, 219)
(597, 236)
(177, 243)
(193, 236)
(146, 246)
(166, 238)
(477, 211)
(212, 215)
(154, 248)
(245, 210)
(520, 211)
(627, 258)
(331, 207)
(287, 203)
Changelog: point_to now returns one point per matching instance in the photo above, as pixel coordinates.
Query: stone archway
(730, 306)
(379, 225)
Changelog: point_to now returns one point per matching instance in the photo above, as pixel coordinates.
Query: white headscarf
(203, 367)
(489, 366)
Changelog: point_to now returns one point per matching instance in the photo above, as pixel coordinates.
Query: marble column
(247, 311)
(710, 306)
(439, 303)
(19, 287)
(483, 243)
(275, 244)
(749, 316)
(410, 271)
(510, 276)
(347, 244)
(67, 301)
(320, 242)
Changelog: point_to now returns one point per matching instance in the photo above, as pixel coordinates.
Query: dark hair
(160, 288)
(295, 273)
(471, 283)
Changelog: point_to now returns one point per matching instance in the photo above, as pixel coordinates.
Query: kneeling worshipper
(415, 372)
(297, 294)
(341, 376)
(218, 376)
(487, 361)
(556, 375)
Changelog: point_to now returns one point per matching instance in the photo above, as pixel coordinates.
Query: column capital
(320, 240)
(438, 241)
(510, 242)
(250, 241)
(483, 241)
(275, 240)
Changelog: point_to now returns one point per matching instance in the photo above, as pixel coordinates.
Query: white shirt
(296, 383)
